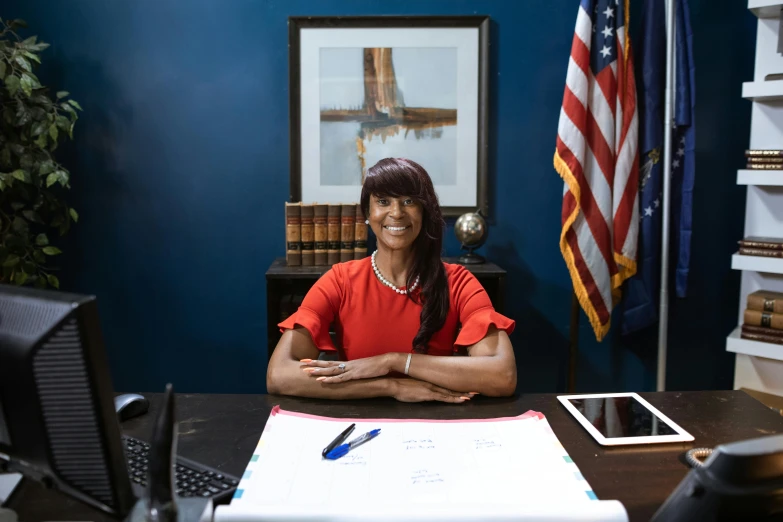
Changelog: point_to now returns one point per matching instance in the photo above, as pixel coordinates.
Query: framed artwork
(370, 87)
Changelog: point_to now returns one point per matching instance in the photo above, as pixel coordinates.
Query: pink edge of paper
(279, 411)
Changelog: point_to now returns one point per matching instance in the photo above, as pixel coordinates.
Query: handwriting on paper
(418, 444)
(423, 476)
(486, 444)
(352, 459)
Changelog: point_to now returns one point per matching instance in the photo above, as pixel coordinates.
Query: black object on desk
(338, 440)
(58, 423)
(285, 284)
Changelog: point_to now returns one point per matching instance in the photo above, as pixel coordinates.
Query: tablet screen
(621, 417)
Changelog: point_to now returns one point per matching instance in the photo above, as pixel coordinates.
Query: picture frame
(362, 88)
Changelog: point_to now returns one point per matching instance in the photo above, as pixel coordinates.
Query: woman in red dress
(403, 317)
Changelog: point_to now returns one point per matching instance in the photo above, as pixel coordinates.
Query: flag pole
(573, 343)
(663, 322)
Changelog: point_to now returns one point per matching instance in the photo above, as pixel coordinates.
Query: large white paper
(495, 469)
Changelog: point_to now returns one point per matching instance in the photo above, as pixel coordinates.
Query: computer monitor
(58, 424)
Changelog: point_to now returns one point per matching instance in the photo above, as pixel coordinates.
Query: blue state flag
(640, 305)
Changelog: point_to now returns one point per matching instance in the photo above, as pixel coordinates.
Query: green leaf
(32, 216)
(29, 41)
(51, 251)
(74, 215)
(17, 205)
(42, 141)
(21, 227)
(17, 22)
(38, 128)
(20, 278)
(2, 69)
(5, 156)
(12, 84)
(27, 84)
(39, 256)
(11, 260)
(23, 63)
(22, 175)
(40, 283)
(62, 94)
(41, 240)
(33, 57)
(39, 47)
(63, 177)
(53, 132)
(51, 179)
(75, 104)
(45, 167)
(53, 280)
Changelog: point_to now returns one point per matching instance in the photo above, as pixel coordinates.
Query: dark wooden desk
(223, 430)
(283, 281)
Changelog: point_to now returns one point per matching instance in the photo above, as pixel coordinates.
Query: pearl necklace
(387, 282)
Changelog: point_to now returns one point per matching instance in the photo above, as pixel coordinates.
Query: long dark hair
(397, 177)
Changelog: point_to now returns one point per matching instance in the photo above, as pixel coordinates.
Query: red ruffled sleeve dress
(372, 319)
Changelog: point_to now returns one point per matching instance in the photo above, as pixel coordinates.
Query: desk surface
(223, 430)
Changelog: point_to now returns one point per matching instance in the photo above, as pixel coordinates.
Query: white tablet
(615, 419)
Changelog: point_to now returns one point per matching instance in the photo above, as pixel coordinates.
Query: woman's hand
(414, 390)
(330, 372)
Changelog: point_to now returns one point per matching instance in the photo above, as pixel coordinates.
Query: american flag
(596, 155)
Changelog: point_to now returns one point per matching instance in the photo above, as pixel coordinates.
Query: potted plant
(33, 210)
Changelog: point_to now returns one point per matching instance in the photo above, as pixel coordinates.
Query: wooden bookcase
(759, 366)
(286, 285)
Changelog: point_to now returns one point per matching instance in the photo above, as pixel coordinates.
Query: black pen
(339, 440)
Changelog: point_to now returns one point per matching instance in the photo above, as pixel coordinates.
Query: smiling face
(396, 221)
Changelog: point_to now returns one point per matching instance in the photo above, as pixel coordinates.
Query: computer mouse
(130, 405)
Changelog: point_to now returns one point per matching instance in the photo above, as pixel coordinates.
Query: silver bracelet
(408, 363)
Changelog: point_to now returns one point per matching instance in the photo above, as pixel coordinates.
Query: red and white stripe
(596, 154)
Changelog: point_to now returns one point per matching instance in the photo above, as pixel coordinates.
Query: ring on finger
(341, 366)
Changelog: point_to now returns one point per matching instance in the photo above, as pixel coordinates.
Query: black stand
(160, 503)
(470, 258)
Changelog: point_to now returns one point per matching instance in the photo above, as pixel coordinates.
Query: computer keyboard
(192, 479)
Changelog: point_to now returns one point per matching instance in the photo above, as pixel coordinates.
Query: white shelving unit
(759, 365)
(770, 178)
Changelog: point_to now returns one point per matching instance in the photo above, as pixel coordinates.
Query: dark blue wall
(180, 167)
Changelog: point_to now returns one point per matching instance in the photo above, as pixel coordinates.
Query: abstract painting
(367, 88)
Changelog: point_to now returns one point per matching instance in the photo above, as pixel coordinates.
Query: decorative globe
(471, 230)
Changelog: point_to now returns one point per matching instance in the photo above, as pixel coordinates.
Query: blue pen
(341, 450)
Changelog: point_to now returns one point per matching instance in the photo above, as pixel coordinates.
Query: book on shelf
(360, 234)
(766, 301)
(347, 230)
(308, 234)
(769, 160)
(763, 338)
(761, 252)
(293, 234)
(321, 234)
(761, 330)
(764, 166)
(765, 319)
(763, 152)
(333, 234)
(774, 243)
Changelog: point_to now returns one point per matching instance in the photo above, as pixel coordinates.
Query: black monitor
(58, 424)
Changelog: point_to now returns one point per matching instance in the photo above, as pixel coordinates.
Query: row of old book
(321, 234)
(761, 246)
(764, 159)
(763, 317)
